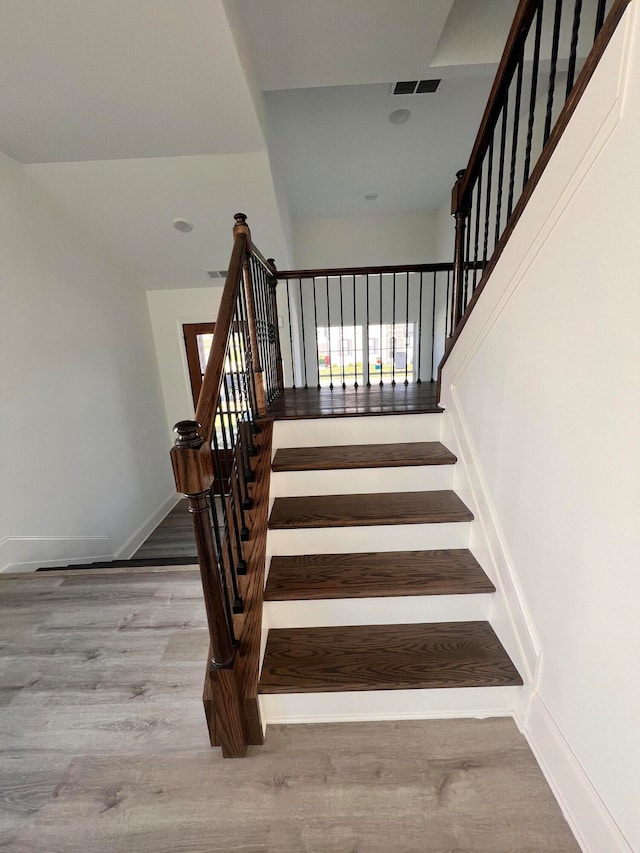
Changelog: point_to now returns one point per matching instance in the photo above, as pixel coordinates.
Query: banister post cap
(188, 434)
(240, 218)
(460, 174)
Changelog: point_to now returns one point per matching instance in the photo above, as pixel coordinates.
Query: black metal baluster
(242, 464)
(315, 328)
(575, 30)
(446, 322)
(240, 528)
(467, 253)
(380, 342)
(393, 334)
(344, 384)
(248, 359)
(329, 335)
(534, 92)
(503, 141)
(406, 333)
(235, 397)
(476, 238)
(487, 211)
(419, 380)
(238, 605)
(368, 354)
(293, 366)
(433, 325)
(355, 335)
(514, 139)
(602, 5)
(553, 68)
(304, 343)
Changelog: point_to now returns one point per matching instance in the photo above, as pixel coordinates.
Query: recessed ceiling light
(183, 225)
(399, 116)
(371, 196)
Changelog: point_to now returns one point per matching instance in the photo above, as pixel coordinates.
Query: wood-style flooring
(173, 537)
(435, 507)
(453, 571)
(104, 748)
(351, 456)
(349, 402)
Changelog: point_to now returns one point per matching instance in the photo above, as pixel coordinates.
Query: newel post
(193, 472)
(241, 227)
(460, 211)
(273, 285)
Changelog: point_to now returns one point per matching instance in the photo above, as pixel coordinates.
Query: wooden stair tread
(364, 510)
(392, 573)
(385, 657)
(362, 456)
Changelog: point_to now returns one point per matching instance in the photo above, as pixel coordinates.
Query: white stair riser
(450, 702)
(361, 481)
(393, 610)
(347, 540)
(382, 429)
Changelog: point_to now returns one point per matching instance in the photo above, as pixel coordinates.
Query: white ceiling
(130, 204)
(109, 79)
(303, 43)
(133, 112)
(333, 145)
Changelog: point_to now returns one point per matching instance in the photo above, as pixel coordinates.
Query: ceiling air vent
(414, 87)
(217, 273)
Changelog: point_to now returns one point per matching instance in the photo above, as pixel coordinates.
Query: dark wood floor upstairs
(339, 403)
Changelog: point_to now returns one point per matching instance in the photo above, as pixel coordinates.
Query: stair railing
(212, 464)
(363, 326)
(551, 53)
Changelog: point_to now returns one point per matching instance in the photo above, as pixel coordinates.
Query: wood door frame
(190, 332)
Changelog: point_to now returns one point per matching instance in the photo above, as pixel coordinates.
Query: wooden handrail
(214, 373)
(465, 185)
(506, 69)
(284, 274)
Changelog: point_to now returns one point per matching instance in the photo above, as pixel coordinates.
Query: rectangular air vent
(217, 273)
(414, 87)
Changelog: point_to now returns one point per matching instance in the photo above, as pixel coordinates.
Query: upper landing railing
(551, 53)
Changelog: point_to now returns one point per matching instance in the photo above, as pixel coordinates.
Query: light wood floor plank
(103, 748)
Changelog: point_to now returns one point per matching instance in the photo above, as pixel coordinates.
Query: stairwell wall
(83, 450)
(543, 384)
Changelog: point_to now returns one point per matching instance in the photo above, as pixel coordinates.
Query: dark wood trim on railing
(205, 410)
(345, 271)
(506, 69)
(600, 44)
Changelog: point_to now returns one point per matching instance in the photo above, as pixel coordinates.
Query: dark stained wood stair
(385, 657)
(391, 573)
(362, 456)
(369, 509)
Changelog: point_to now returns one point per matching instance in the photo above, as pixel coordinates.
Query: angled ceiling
(110, 79)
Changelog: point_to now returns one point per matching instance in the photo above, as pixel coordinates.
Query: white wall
(169, 309)
(83, 454)
(406, 238)
(543, 386)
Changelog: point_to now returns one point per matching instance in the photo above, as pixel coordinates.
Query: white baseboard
(142, 533)
(591, 822)
(510, 617)
(28, 553)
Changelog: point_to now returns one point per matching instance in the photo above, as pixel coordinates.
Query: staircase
(375, 608)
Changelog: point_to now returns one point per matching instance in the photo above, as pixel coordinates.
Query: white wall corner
(142, 533)
(28, 553)
(509, 616)
(588, 817)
